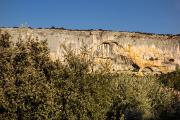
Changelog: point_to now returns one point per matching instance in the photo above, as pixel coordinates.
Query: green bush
(139, 98)
(171, 80)
(25, 89)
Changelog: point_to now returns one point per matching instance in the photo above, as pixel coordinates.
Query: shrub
(138, 98)
(171, 80)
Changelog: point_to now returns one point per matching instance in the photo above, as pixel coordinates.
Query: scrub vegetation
(33, 87)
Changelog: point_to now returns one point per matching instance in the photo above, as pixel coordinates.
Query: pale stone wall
(121, 49)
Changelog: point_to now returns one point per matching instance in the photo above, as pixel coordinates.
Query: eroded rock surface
(125, 51)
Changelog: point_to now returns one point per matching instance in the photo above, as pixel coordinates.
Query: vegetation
(34, 87)
(171, 80)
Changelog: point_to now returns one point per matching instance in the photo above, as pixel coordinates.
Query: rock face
(123, 50)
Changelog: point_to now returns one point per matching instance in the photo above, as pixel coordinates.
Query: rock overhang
(124, 50)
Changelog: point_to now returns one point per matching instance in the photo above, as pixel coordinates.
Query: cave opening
(136, 67)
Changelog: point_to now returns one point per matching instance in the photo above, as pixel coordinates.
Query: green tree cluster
(33, 87)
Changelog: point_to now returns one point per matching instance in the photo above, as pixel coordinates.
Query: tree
(26, 91)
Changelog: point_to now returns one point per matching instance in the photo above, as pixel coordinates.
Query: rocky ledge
(123, 51)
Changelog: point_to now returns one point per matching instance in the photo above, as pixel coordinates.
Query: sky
(152, 16)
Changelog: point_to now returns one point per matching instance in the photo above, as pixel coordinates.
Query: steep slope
(124, 51)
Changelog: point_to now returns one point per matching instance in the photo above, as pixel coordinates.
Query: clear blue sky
(155, 16)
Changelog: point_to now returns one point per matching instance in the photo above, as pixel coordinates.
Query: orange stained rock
(137, 58)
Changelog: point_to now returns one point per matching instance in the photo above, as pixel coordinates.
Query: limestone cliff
(123, 50)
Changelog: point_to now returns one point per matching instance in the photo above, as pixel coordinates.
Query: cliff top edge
(91, 30)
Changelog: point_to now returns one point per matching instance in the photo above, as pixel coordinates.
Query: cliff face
(123, 50)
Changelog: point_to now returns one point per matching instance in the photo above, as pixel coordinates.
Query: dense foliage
(171, 79)
(33, 87)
